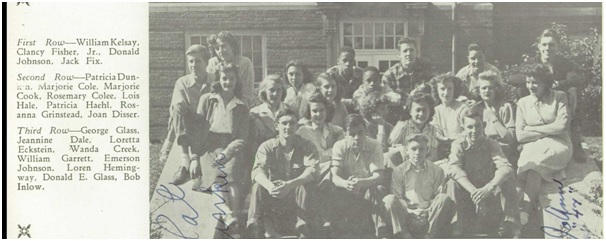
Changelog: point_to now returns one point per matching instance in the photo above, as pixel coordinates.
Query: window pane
(389, 43)
(347, 29)
(362, 64)
(368, 29)
(246, 43)
(389, 28)
(257, 58)
(195, 40)
(357, 42)
(383, 66)
(258, 74)
(257, 43)
(379, 29)
(347, 42)
(399, 28)
(247, 54)
(357, 29)
(379, 43)
(368, 42)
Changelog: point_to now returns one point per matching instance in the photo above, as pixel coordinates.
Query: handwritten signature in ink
(177, 195)
(217, 190)
(564, 212)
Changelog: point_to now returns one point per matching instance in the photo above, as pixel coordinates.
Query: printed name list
(77, 112)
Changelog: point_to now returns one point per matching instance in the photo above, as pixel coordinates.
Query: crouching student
(417, 208)
(354, 205)
(372, 82)
(279, 202)
(482, 184)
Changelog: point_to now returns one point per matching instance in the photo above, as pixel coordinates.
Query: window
(373, 35)
(251, 46)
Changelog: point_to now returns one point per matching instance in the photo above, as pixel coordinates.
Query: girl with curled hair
(272, 94)
(226, 129)
(327, 85)
(445, 89)
(542, 129)
(298, 82)
(498, 115)
(226, 50)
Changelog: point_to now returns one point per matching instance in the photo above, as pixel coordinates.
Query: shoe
(181, 176)
(303, 232)
(256, 231)
(509, 230)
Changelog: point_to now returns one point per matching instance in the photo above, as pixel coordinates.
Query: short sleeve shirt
(362, 164)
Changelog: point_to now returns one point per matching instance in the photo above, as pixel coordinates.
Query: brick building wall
(288, 33)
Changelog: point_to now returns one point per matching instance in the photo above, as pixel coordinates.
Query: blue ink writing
(217, 190)
(563, 213)
(165, 192)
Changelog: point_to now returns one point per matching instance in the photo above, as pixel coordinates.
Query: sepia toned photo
(375, 120)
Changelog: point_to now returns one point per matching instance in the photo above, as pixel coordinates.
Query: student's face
(286, 126)
(295, 76)
(346, 63)
(196, 64)
(274, 93)
(419, 111)
(317, 112)
(356, 136)
(407, 53)
(535, 87)
(228, 81)
(548, 47)
(372, 80)
(416, 151)
(476, 60)
(472, 128)
(328, 88)
(487, 90)
(223, 50)
(446, 91)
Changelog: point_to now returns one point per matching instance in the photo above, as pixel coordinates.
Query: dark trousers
(502, 206)
(352, 214)
(285, 214)
(182, 127)
(441, 211)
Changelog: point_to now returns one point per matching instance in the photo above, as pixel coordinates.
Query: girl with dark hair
(319, 130)
(226, 128)
(445, 89)
(299, 82)
(542, 123)
(225, 49)
(418, 111)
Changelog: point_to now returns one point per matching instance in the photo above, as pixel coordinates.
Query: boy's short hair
(199, 49)
(227, 68)
(417, 138)
(405, 40)
(286, 112)
(475, 47)
(441, 79)
(354, 120)
(270, 79)
(473, 113)
(317, 97)
(372, 68)
(549, 33)
(347, 49)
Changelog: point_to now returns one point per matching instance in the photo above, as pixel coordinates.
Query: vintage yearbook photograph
(375, 120)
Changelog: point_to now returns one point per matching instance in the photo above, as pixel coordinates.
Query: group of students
(352, 153)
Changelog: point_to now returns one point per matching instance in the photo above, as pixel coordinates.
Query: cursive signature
(565, 211)
(217, 190)
(177, 195)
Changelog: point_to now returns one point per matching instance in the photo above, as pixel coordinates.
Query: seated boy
(279, 201)
(371, 81)
(417, 208)
(357, 170)
(482, 184)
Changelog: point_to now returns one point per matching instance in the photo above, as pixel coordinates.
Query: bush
(586, 53)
